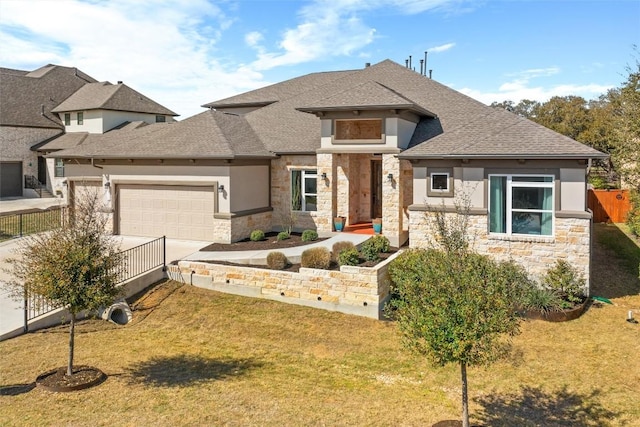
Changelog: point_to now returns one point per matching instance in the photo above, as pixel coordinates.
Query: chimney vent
(367, 65)
(119, 82)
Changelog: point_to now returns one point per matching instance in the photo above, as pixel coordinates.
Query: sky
(185, 53)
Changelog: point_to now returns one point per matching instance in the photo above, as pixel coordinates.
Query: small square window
(440, 182)
(80, 118)
(161, 119)
(67, 119)
(59, 169)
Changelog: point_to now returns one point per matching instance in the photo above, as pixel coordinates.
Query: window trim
(58, 168)
(80, 118)
(161, 118)
(439, 190)
(305, 173)
(67, 119)
(509, 201)
(448, 192)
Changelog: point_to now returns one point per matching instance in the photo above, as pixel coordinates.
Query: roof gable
(107, 96)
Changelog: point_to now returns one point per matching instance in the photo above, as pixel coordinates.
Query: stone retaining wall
(361, 291)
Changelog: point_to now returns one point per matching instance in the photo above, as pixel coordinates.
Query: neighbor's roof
(107, 96)
(28, 97)
(208, 135)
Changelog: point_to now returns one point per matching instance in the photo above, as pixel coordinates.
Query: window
(80, 118)
(369, 129)
(440, 182)
(304, 190)
(521, 204)
(59, 169)
(161, 119)
(67, 119)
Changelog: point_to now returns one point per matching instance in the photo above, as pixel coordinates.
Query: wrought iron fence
(22, 224)
(135, 261)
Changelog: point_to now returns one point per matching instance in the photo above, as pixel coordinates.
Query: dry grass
(196, 357)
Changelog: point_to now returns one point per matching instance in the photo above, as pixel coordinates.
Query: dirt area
(269, 243)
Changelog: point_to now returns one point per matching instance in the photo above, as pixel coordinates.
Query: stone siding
(536, 253)
(242, 226)
(361, 291)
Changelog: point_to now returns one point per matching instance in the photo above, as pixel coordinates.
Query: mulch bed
(270, 242)
(83, 377)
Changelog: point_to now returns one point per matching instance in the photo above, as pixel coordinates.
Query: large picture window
(304, 190)
(521, 204)
(368, 129)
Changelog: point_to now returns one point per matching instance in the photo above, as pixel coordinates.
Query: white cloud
(441, 48)
(521, 87)
(253, 39)
(164, 49)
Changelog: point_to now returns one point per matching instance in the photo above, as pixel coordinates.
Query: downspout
(94, 165)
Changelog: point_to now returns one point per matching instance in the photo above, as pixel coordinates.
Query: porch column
(392, 198)
(326, 193)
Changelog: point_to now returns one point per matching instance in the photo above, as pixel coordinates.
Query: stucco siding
(249, 187)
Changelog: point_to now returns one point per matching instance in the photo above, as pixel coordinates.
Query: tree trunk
(465, 397)
(71, 343)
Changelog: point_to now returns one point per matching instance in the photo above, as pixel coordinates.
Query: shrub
(349, 257)
(372, 248)
(309, 235)
(257, 235)
(542, 300)
(316, 258)
(339, 247)
(566, 281)
(633, 217)
(277, 260)
(283, 235)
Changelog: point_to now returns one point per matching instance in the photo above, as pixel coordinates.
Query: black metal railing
(32, 182)
(22, 224)
(135, 261)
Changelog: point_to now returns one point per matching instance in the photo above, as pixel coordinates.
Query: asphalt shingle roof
(107, 96)
(29, 97)
(208, 135)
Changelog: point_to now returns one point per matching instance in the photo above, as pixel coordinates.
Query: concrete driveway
(11, 312)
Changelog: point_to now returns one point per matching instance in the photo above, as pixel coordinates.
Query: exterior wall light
(324, 176)
(107, 184)
(221, 188)
(390, 177)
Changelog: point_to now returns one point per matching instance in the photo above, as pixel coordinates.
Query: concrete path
(29, 202)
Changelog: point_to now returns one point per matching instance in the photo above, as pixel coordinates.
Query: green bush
(339, 247)
(309, 235)
(316, 258)
(542, 300)
(277, 260)
(372, 248)
(283, 235)
(566, 281)
(257, 235)
(633, 217)
(349, 257)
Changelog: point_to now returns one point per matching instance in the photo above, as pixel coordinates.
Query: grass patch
(197, 357)
(616, 255)
(29, 223)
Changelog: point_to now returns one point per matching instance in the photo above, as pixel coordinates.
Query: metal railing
(22, 224)
(135, 261)
(32, 182)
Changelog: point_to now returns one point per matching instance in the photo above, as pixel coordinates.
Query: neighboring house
(379, 142)
(56, 107)
(27, 120)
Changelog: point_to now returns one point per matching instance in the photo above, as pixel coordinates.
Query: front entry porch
(362, 187)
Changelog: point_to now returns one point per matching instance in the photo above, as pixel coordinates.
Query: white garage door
(179, 212)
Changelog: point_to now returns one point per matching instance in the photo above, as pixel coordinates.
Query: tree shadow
(16, 389)
(534, 407)
(188, 370)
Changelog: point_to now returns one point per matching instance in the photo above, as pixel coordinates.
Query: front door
(376, 189)
(42, 170)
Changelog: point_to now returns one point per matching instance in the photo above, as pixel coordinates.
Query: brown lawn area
(196, 357)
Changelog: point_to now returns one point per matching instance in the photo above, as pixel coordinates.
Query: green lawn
(28, 223)
(197, 357)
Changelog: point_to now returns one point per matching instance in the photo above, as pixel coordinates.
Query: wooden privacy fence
(609, 205)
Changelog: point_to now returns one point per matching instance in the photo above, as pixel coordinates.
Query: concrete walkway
(30, 201)
(260, 257)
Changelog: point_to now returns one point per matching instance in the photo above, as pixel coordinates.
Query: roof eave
(502, 156)
(215, 105)
(409, 107)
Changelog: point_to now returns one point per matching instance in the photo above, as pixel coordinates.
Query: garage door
(10, 179)
(180, 212)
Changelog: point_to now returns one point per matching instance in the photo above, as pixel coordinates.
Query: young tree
(453, 305)
(75, 266)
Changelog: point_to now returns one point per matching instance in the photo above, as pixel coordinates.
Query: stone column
(326, 192)
(392, 197)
